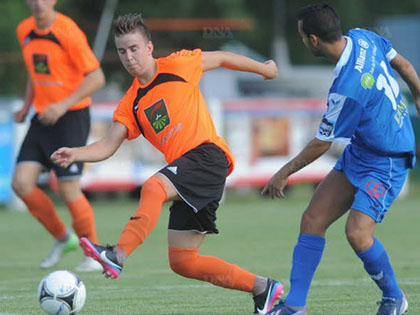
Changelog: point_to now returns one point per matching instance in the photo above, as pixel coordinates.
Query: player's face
(135, 53)
(307, 41)
(41, 8)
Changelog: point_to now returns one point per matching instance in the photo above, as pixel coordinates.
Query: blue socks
(306, 257)
(378, 266)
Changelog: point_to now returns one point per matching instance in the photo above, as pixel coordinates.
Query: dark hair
(322, 20)
(128, 23)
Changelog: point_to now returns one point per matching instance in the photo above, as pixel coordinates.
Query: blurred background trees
(266, 21)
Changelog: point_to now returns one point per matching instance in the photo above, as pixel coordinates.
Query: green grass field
(256, 233)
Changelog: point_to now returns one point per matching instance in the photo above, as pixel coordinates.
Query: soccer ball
(61, 292)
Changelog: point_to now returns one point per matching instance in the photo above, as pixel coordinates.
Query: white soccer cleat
(88, 265)
(59, 248)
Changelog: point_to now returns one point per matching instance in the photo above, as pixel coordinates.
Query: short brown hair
(128, 23)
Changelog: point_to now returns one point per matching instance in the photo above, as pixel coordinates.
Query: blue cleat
(284, 309)
(392, 306)
(264, 302)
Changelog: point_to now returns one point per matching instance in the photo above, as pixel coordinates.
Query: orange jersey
(170, 110)
(57, 60)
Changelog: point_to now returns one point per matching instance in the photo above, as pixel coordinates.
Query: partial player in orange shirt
(165, 105)
(63, 73)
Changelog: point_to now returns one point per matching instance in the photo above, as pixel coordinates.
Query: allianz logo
(363, 43)
(360, 61)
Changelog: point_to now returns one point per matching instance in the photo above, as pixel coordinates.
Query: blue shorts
(378, 179)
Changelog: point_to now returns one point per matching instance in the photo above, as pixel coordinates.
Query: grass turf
(257, 234)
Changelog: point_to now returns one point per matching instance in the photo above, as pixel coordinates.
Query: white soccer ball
(61, 292)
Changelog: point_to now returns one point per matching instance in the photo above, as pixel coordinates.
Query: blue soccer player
(365, 107)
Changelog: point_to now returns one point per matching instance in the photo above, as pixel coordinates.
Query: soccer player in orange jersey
(63, 73)
(165, 105)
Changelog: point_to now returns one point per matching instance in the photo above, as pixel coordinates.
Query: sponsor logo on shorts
(173, 169)
(73, 168)
(41, 63)
(374, 189)
(135, 218)
(158, 116)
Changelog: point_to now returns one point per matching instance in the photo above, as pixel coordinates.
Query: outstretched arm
(409, 75)
(224, 59)
(310, 153)
(97, 151)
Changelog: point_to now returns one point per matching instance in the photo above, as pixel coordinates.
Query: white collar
(345, 55)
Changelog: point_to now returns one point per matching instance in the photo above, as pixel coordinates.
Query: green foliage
(86, 13)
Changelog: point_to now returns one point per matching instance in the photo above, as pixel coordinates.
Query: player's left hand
(52, 113)
(271, 71)
(276, 186)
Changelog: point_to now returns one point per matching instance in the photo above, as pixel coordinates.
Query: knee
(181, 261)
(22, 186)
(69, 190)
(312, 224)
(358, 239)
(153, 185)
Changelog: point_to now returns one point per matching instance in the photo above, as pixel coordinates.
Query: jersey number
(389, 84)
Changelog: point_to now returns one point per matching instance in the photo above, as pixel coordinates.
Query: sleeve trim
(391, 54)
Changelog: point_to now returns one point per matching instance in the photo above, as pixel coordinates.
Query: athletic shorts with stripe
(71, 130)
(199, 177)
(378, 179)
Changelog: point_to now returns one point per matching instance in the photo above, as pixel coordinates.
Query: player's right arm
(20, 115)
(312, 151)
(406, 70)
(95, 152)
(338, 124)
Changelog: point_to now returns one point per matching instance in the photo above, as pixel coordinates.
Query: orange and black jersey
(170, 110)
(57, 60)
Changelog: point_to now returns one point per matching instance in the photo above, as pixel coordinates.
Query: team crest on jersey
(158, 116)
(41, 63)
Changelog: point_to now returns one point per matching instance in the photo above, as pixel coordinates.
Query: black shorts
(199, 178)
(41, 141)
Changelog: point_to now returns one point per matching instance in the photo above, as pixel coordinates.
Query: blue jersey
(365, 104)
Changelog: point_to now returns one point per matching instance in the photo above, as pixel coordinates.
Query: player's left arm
(406, 70)
(224, 59)
(92, 82)
(310, 153)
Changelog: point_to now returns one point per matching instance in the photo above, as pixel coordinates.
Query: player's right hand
(63, 157)
(19, 116)
(275, 187)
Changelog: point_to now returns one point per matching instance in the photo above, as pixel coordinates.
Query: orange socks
(42, 208)
(153, 195)
(187, 263)
(83, 218)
